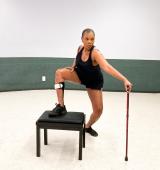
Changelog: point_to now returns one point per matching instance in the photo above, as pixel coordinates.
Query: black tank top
(90, 75)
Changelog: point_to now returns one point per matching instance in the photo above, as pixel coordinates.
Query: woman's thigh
(68, 74)
(96, 99)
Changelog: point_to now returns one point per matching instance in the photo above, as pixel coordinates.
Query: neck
(87, 49)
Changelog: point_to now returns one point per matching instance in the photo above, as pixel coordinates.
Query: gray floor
(20, 110)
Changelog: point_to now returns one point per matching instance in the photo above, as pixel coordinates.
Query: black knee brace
(59, 85)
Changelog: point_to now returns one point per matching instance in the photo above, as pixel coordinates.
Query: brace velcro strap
(59, 86)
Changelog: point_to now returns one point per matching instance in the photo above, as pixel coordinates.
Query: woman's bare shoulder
(96, 51)
(79, 48)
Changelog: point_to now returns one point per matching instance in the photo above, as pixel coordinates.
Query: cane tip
(126, 158)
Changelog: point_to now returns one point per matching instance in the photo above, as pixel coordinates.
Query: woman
(86, 69)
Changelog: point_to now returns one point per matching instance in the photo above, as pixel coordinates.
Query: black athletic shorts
(94, 82)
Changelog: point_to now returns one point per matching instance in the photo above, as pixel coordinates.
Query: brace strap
(59, 85)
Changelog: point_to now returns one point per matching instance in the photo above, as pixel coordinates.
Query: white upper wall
(125, 29)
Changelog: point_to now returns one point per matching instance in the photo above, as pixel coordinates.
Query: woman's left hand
(128, 85)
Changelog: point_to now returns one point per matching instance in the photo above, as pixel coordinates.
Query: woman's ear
(82, 39)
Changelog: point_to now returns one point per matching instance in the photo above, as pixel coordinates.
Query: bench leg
(80, 143)
(38, 141)
(45, 137)
(84, 138)
(84, 134)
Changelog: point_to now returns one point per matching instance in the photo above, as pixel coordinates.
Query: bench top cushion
(70, 117)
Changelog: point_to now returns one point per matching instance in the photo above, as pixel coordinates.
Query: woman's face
(88, 40)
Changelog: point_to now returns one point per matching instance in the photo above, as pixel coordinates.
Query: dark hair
(87, 30)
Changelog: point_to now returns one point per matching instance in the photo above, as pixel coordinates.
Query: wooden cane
(127, 119)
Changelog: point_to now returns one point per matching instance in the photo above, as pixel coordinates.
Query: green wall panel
(26, 74)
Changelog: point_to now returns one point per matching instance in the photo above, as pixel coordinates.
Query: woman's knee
(98, 110)
(59, 75)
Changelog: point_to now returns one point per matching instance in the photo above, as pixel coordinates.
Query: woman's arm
(74, 61)
(78, 50)
(104, 65)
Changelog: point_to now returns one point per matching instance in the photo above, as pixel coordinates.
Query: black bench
(74, 121)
